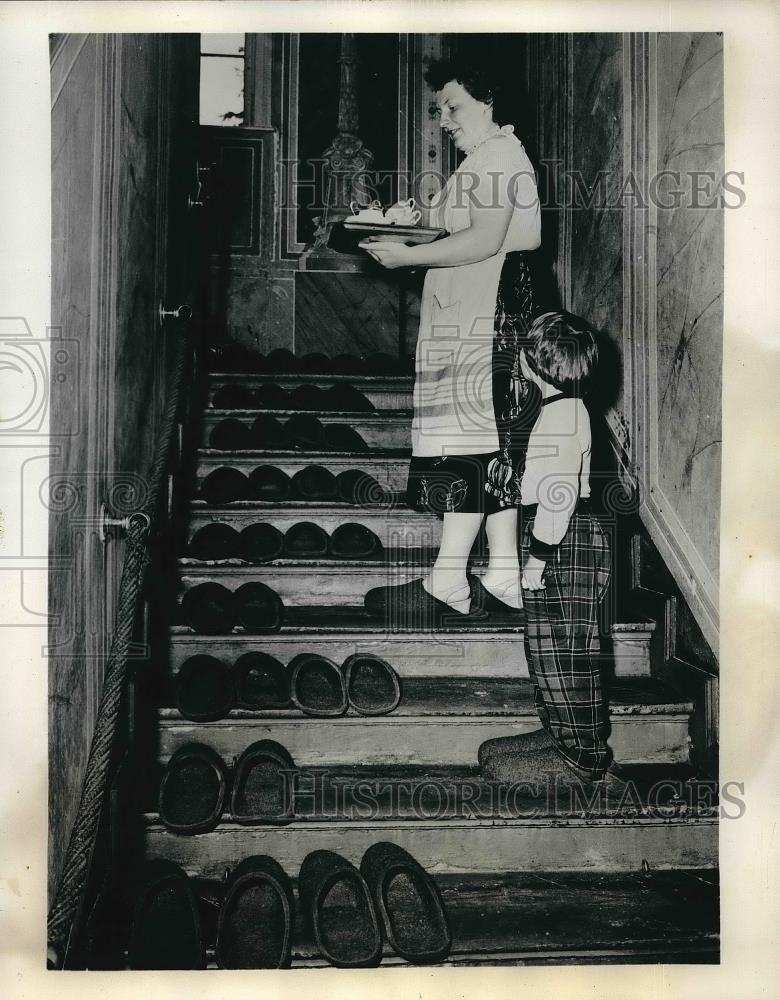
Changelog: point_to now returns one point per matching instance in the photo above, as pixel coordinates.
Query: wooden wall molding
(419, 134)
(258, 79)
(102, 345)
(563, 153)
(640, 226)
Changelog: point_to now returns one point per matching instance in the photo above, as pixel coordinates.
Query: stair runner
(633, 880)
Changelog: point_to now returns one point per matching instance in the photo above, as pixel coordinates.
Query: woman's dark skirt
(485, 484)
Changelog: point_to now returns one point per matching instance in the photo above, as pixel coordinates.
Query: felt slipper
(282, 361)
(409, 902)
(507, 747)
(230, 435)
(305, 540)
(165, 926)
(307, 397)
(208, 609)
(354, 541)
(269, 483)
(214, 541)
(193, 790)
(225, 485)
(258, 608)
(411, 606)
(317, 685)
(268, 433)
(204, 689)
(305, 433)
(359, 488)
(340, 911)
(234, 358)
(315, 363)
(259, 543)
(233, 397)
(537, 768)
(257, 917)
(342, 397)
(263, 785)
(380, 363)
(372, 686)
(314, 482)
(488, 602)
(347, 364)
(271, 396)
(340, 437)
(261, 682)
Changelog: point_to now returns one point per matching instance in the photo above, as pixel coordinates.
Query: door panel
(122, 125)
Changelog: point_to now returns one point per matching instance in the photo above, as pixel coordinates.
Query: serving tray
(393, 233)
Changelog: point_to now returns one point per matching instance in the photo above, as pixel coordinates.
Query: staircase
(523, 882)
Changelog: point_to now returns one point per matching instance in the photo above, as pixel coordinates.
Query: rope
(73, 879)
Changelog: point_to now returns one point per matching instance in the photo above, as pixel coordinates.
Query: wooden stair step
(389, 468)
(439, 721)
(385, 429)
(336, 585)
(299, 582)
(392, 393)
(571, 917)
(522, 918)
(452, 822)
(493, 648)
(395, 525)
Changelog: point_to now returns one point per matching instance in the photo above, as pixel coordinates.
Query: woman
(472, 407)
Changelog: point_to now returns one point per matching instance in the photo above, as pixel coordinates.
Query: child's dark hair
(562, 349)
(477, 79)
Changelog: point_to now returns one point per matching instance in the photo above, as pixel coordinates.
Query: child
(566, 568)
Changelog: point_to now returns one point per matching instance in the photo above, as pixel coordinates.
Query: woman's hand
(388, 254)
(533, 573)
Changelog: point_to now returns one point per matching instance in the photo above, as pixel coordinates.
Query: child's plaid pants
(562, 641)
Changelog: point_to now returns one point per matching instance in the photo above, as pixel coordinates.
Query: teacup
(404, 213)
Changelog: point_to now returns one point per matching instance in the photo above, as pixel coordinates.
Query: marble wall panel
(594, 192)
(689, 276)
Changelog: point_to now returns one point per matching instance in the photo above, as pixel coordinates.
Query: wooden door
(123, 109)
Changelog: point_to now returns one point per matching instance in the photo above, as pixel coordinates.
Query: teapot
(404, 213)
(371, 214)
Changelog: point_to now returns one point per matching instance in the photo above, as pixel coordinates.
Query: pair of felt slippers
(211, 609)
(410, 605)
(348, 911)
(249, 918)
(351, 911)
(196, 786)
(263, 542)
(207, 689)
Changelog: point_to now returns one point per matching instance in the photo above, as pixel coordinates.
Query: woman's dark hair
(478, 80)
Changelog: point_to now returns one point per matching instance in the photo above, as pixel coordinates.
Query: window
(222, 79)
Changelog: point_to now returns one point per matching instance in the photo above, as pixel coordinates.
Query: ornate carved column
(347, 159)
